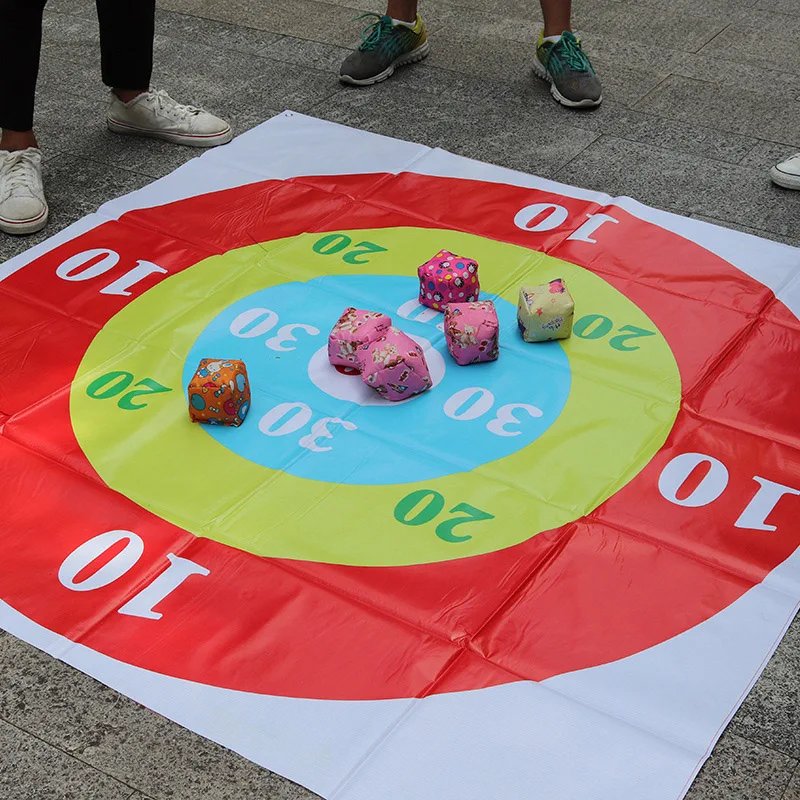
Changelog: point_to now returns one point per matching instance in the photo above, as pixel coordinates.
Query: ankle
(17, 140)
(126, 95)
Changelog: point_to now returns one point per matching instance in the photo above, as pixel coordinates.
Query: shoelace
(22, 172)
(163, 102)
(569, 56)
(376, 31)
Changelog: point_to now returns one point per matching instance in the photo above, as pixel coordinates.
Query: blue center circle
(317, 422)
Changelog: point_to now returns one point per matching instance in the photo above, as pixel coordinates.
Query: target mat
(552, 575)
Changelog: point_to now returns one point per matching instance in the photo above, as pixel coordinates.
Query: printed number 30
(434, 506)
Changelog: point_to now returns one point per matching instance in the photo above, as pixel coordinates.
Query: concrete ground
(701, 98)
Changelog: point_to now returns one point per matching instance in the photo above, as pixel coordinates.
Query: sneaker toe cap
(791, 166)
(206, 124)
(786, 174)
(360, 65)
(21, 209)
(580, 87)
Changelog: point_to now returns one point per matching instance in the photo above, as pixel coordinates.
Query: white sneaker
(23, 208)
(787, 173)
(156, 114)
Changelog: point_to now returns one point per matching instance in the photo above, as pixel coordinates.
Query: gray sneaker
(384, 47)
(572, 78)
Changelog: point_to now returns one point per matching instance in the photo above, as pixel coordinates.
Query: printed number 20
(112, 383)
(336, 242)
(596, 326)
(403, 513)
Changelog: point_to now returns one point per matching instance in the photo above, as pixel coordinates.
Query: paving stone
(318, 55)
(447, 84)
(712, 8)
(77, 39)
(80, 7)
(224, 81)
(725, 108)
(508, 8)
(219, 35)
(71, 38)
(683, 183)
(484, 23)
(771, 713)
(720, 69)
(782, 6)
(742, 770)
(793, 790)
(305, 19)
(481, 55)
(779, 34)
(71, 78)
(508, 136)
(167, 762)
(436, 14)
(678, 136)
(30, 768)
(765, 155)
(617, 120)
(83, 185)
(100, 727)
(623, 84)
(632, 21)
(52, 700)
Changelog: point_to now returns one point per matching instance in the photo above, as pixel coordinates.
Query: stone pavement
(696, 110)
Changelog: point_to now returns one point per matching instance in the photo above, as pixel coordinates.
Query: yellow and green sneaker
(572, 78)
(385, 45)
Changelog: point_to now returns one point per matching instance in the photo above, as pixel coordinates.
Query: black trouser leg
(127, 28)
(20, 46)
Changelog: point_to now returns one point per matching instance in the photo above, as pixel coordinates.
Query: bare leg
(126, 95)
(557, 16)
(405, 10)
(17, 140)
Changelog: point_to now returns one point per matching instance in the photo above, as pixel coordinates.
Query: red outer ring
(635, 572)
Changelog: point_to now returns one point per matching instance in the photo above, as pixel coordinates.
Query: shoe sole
(413, 57)
(192, 140)
(542, 73)
(785, 181)
(25, 226)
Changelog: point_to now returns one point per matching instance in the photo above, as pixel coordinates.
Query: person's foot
(787, 173)
(573, 81)
(384, 47)
(23, 208)
(157, 115)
